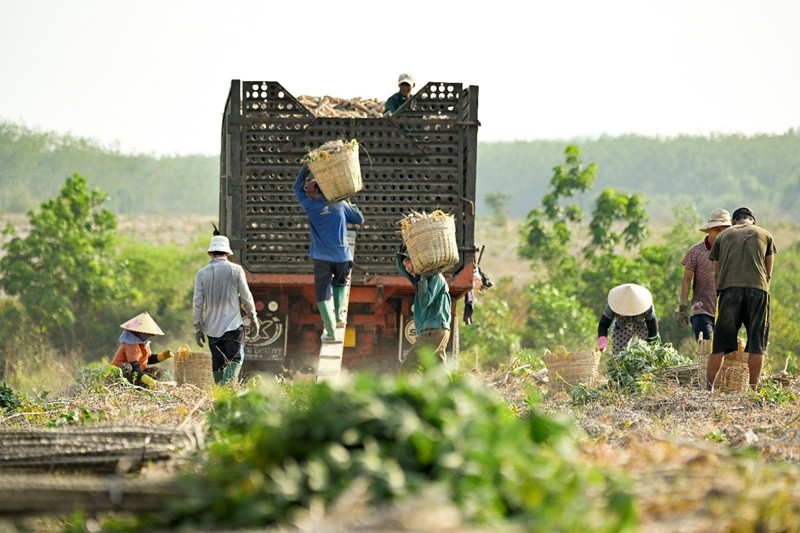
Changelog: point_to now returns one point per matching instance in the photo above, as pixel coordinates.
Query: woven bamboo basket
(193, 368)
(734, 374)
(336, 168)
(565, 369)
(430, 241)
(703, 351)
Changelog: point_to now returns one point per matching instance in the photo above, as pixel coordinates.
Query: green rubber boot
(218, 376)
(326, 312)
(340, 305)
(231, 373)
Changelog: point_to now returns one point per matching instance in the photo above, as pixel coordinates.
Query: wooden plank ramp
(329, 368)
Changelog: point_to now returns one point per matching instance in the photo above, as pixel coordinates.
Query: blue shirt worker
(431, 309)
(332, 255)
(220, 289)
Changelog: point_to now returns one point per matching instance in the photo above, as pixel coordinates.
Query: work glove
(654, 340)
(148, 381)
(682, 316)
(199, 338)
(163, 356)
(602, 343)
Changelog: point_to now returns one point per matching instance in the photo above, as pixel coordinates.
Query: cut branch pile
(101, 448)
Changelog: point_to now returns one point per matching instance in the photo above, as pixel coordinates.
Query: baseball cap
(406, 78)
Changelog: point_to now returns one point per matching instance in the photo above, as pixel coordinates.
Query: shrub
(270, 458)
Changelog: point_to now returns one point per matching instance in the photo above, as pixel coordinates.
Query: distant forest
(725, 171)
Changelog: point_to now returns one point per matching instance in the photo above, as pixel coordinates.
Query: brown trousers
(435, 339)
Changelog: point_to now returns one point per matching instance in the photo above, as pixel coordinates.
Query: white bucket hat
(716, 218)
(629, 299)
(220, 243)
(142, 323)
(406, 78)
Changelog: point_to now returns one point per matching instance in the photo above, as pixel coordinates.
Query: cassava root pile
(330, 106)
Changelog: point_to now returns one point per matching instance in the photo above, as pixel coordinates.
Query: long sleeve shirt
(431, 299)
(220, 288)
(328, 223)
(609, 316)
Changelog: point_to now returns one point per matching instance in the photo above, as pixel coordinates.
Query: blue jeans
(702, 324)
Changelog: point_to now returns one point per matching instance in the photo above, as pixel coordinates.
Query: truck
(422, 157)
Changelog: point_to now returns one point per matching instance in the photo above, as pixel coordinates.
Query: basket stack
(430, 240)
(565, 369)
(193, 368)
(336, 168)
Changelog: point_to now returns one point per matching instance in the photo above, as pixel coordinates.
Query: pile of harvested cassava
(330, 106)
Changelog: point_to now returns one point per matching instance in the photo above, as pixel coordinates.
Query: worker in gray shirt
(220, 288)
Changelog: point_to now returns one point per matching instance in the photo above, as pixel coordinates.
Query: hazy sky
(152, 76)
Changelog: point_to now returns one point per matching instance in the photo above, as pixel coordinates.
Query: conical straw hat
(629, 299)
(142, 323)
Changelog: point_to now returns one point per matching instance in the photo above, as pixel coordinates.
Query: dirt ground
(700, 461)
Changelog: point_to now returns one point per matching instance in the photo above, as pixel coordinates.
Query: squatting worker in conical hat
(743, 257)
(630, 308)
(220, 289)
(134, 355)
(332, 254)
(698, 273)
(405, 83)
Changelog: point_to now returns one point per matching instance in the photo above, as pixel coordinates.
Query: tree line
(761, 171)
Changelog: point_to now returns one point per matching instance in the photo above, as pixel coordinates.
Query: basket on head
(193, 368)
(430, 240)
(565, 369)
(336, 168)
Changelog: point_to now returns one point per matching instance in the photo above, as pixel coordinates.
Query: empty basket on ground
(336, 168)
(703, 351)
(565, 369)
(193, 368)
(430, 240)
(734, 374)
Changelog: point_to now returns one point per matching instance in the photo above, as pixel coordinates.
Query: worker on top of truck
(431, 309)
(405, 83)
(332, 255)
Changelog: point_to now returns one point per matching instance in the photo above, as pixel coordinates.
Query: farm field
(696, 460)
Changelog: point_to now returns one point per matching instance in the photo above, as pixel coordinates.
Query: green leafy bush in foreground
(271, 456)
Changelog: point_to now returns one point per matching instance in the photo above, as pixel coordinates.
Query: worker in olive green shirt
(431, 309)
(405, 83)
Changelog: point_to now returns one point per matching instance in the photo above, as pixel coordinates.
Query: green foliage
(765, 169)
(546, 233)
(164, 279)
(784, 335)
(618, 219)
(498, 202)
(268, 458)
(64, 270)
(556, 317)
(8, 400)
(76, 417)
(773, 393)
(633, 367)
